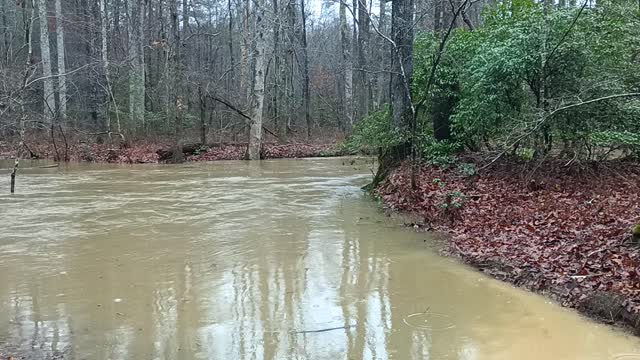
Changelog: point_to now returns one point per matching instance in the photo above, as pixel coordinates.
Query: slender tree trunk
(135, 27)
(116, 28)
(203, 116)
(382, 75)
(401, 63)
(279, 71)
(347, 66)
(105, 68)
(49, 96)
(305, 70)
(402, 110)
(62, 78)
(363, 47)
(291, 99)
(442, 105)
(255, 132)
(5, 32)
(231, 60)
(27, 18)
(245, 51)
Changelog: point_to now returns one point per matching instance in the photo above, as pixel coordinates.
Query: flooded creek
(285, 259)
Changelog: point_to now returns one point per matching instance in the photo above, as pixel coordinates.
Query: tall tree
(49, 96)
(381, 93)
(135, 29)
(305, 70)
(363, 51)
(62, 77)
(257, 106)
(347, 66)
(442, 105)
(402, 63)
(245, 51)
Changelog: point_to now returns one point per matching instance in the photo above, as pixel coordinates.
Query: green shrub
(375, 131)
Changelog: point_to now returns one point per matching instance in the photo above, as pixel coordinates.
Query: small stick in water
(13, 176)
(325, 330)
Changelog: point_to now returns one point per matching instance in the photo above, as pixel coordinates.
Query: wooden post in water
(13, 176)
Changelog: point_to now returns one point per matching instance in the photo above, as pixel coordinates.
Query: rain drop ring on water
(429, 321)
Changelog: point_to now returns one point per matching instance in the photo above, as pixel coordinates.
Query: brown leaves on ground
(561, 229)
(269, 151)
(146, 152)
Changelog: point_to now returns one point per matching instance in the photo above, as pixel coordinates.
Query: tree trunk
(305, 70)
(230, 44)
(49, 96)
(381, 97)
(203, 116)
(402, 111)
(178, 70)
(363, 47)
(104, 53)
(279, 75)
(347, 91)
(245, 52)
(135, 27)
(5, 33)
(442, 106)
(27, 18)
(255, 132)
(401, 63)
(62, 78)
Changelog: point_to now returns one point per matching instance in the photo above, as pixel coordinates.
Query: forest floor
(564, 231)
(152, 151)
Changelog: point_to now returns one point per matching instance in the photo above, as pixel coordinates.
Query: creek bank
(155, 152)
(564, 231)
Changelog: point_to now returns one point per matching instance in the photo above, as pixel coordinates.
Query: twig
(240, 112)
(565, 33)
(325, 330)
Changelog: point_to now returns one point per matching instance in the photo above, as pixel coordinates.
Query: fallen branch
(325, 330)
(108, 133)
(554, 112)
(241, 113)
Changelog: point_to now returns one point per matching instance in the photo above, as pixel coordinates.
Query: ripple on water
(429, 321)
(626, 357)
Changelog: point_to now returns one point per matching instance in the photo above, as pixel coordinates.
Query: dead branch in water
(325, 330)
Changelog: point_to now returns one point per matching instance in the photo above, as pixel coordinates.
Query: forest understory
(563, 230)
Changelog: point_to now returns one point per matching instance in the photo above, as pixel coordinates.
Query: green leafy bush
(489, 81)
(374, 132)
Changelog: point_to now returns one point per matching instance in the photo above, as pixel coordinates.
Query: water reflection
(277, 260)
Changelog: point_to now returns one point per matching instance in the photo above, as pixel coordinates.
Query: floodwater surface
(284, 259)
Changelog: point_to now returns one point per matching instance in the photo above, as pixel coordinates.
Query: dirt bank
(564, 231)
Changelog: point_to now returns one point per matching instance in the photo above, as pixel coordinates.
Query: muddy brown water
(285, 259)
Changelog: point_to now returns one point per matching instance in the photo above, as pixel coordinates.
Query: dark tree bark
(363, 49)
(402, 110)
(305, 70)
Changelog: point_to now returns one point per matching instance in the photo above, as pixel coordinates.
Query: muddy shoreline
(561, 232)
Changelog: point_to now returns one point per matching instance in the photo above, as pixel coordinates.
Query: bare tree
(305, 70)
(135, 27)
(49, 96)
(347, 66)
(62, 78)
(255, 133)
